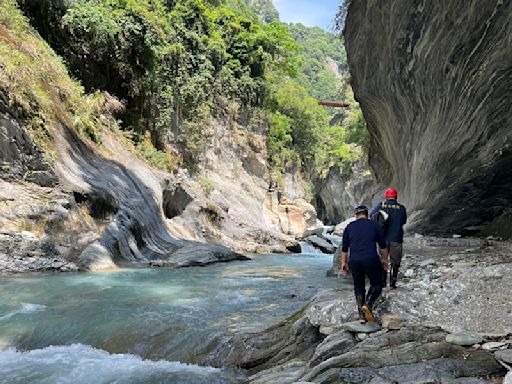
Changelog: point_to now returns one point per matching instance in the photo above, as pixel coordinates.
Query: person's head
(361, 211)
(391, 193)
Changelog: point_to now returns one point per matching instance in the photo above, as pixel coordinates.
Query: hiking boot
(393, 276)
(368, 314)
(360, 302)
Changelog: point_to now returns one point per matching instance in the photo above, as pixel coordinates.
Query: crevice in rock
(175, 202)
(100, 208)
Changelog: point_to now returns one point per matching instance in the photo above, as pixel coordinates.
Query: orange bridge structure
(335, 104)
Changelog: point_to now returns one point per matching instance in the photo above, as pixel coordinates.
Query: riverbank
(448, 322)
(146, 325)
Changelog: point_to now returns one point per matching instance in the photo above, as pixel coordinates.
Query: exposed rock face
(339, 194)
(434, 81)
(19, 157)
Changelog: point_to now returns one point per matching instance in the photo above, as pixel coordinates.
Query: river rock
(392, 322)
(357, 327)
(326, 330)
(335, 344)
(508, 378)
(200, 254)
(361, 336)
(294, 247)
(464, 338)
(321, 244)
(409, 273)
(504, 355)
(493, 345)
(428, 262)
(96, 258)
(313, 231)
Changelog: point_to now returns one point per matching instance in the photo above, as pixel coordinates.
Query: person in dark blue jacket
(393, 231)
(361, 238)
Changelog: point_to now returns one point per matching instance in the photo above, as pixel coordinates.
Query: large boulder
(434, 81)
(96, 258)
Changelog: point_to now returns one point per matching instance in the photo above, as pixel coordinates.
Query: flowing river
(145, 325)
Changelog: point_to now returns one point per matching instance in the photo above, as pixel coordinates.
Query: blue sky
(312, 13)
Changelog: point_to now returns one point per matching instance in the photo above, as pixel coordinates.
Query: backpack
(381, 217)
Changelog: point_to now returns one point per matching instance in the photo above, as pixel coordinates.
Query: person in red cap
(393, 231)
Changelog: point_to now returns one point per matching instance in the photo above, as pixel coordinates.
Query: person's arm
(345, 245)
(383, 248)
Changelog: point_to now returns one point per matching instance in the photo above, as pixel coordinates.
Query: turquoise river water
(145, 325)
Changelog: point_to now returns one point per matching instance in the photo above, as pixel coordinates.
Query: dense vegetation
(35, 84)
(323, 56)
(180, 65)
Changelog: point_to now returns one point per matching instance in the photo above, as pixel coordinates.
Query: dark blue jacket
(361, 236)
(397, 218)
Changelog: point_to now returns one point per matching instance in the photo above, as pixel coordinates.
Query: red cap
(391, 192)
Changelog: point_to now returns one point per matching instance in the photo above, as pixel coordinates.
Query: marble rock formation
(434, 81)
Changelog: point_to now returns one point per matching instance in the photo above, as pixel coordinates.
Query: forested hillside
(324, 61)
(180, 67)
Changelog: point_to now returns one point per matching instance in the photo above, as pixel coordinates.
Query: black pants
(371, 268)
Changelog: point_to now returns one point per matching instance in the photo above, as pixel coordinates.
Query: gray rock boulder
(392, 322)
(357, 327)
(96, 258)
(334, 344)
(505, 356)
(196, 254)
(464, 338)
(321, 244)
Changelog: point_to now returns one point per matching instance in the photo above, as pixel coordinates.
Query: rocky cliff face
(339, 194)
(434, 80)
(97, 204)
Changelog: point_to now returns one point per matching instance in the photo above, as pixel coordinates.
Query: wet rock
(357, 327)
(508, 378)
(96, 258)
(294, 247)
(464, 338)
(197, 254)
(157, 263)
(313, 231)
(293, 339)
(321, 244)
(504, 355)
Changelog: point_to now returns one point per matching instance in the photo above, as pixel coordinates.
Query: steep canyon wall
(434, 81)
